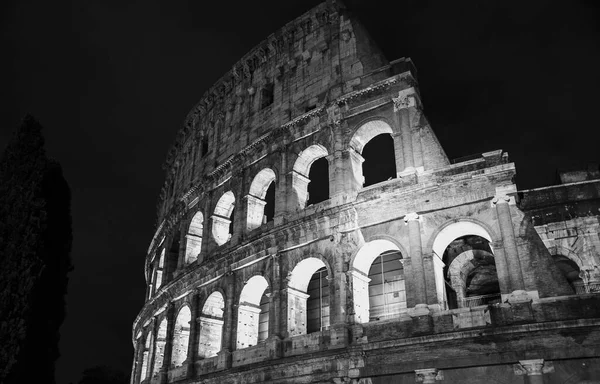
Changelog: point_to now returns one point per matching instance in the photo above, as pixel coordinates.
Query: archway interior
(211, 326)
(159, 270)
(159, 351)
(379, 159)
(223, 217)
(308, 291)
(193, 244)
(317, 304)
(318, 187)
(253, 313)
(476, 280)
(387, 291)
(181, 337)
(173, 255)
(270, 203)
(570, 271)
(146, 356)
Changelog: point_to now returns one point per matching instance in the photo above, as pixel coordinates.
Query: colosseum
(311, 229)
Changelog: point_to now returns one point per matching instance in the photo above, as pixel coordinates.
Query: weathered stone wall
(234, 147)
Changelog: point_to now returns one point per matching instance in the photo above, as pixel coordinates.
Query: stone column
(404, 106)
(428, 376)
(283, 189)
(138, 362)
(275, 299)
(151, 352)
(416, 257)
(509, 242)
(534, 369)
(224, 356)
(164, 370)
(192, 354)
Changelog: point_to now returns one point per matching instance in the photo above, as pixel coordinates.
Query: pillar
(152, 351)
(224, 356)
(533, 369)
(282, 189)
(404, 106)
(275, 299)
(138, 362)
(509, 242)
(398, 151)
(428, 376)
(164, 370)
(416, 257)
(192, 354)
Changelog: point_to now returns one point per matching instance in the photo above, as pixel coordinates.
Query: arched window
(380, 162)
(159, 347)
(158, 271)
(470, 273)
(570, 271)
(374, 143)
(223, 218)
(146, 356)
(261, 199)
(211, 326)
(318, 187)
(253, 312)
(173, 256)
(181, 337)
(308, 297)
(309, 172)
(193, 244)
(378, 281)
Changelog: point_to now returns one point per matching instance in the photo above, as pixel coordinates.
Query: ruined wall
(233, 265)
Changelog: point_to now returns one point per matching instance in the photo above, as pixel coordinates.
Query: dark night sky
(112, 81)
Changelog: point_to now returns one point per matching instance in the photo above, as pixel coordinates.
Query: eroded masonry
(312, 230)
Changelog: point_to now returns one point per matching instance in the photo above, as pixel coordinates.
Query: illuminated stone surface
(439, 272)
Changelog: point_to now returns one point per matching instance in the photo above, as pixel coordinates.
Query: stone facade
(291, 249)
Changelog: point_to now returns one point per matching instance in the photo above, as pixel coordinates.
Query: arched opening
(146, 357)
(318, 186)
(308, 297)
(222, 219)
(378, 281)
(158, 271)
(570, 271)
(261, 199)
(375, 144)
(159, 347)
(193, 244)
(311, 176)
(181, 337)
(379, 159)
(211, 326)
(470, 273)
(253, 313)
(173, 256)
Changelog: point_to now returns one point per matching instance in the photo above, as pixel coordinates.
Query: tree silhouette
(35, 246)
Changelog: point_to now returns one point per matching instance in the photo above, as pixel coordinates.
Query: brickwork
(318, 89)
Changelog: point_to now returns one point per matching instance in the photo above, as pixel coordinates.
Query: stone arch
(159, 346)
(257, 200)
(367, 131)
(253, 313)
(146, 356)
(446, 234)
(301, 172)
(459, 270)
(567, 252)
(159, 271)
(181, 336)
(221, 219)
(211, 325)
(366, 290)
(193, 245)
(373, 140)
(299, 298)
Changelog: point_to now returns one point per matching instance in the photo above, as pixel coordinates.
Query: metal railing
(582, 288)
(474, 301)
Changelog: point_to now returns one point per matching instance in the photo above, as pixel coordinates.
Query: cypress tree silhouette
(35, 246)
